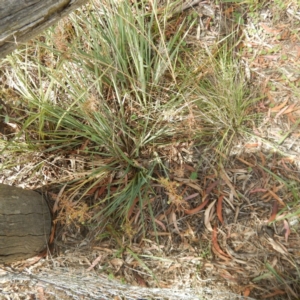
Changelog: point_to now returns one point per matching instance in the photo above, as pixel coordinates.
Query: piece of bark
(25, 223)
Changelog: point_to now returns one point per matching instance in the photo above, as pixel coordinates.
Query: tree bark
(25, 223)
(21, 20)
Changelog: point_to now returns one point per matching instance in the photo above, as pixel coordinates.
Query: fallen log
(21, 20)
(80, 284)
(25, 223)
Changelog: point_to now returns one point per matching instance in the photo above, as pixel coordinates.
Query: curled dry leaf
(189, 232)
(191, 196)
(287, 230)
(210, 188)
(92, 190)
(258, 191)
(279, 107)
(208, 215)
(174, 221)
(219, 255)
(277, 247)
(205, 200)
(57, 199)
(94, 263)
(101, 190)
(139, 279)
(135, 201)
(161, 224)
(117, 263)
(251, 145)
(276, 293)
(52, 234)
(226, 178)
(194, 186)
(33, 260)
(219, 209)
(216, 245)
(274, 211)
(246, 292)
(156, 233)
(196, 209)
(226, 275)
(276, 197)
(173, 267)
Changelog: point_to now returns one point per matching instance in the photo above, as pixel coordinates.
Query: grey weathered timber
(25, 223)
(72, 284)
(21, 20)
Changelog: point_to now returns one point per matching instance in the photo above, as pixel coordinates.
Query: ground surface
(232, 243)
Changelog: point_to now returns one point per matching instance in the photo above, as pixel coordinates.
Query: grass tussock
(131, 111)
(111, 94)
(105, 90)
(224, 102)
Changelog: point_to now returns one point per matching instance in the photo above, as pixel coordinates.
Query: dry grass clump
(137, 115)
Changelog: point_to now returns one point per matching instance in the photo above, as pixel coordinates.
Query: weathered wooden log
(25, 223)
(73, 284)
(21, 20)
